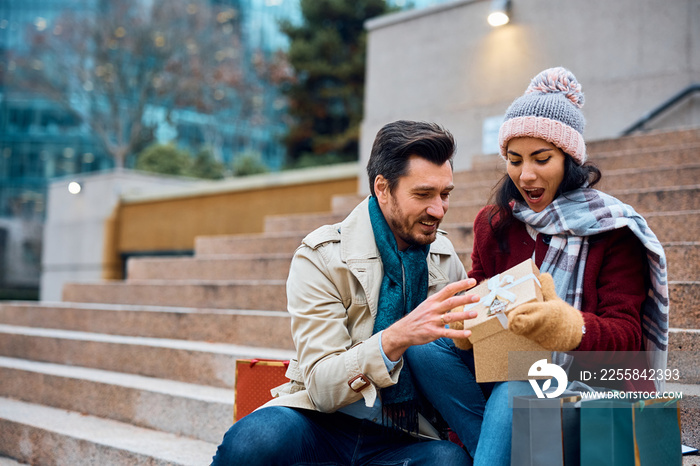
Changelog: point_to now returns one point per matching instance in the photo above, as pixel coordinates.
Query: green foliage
(308, 159)
(206, 166)
(165, 159)
(248, 163)
(327, 54)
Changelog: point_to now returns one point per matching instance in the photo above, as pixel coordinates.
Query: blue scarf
(404, 287)
(570, 220)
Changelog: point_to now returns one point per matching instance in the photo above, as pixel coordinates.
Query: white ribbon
(498, 286)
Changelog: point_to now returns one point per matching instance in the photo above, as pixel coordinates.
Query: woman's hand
(554, 324)
(461, 343)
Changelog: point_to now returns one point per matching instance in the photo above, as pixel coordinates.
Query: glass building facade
(40, 140)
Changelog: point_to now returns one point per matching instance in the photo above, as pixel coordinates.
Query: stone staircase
(141, 371)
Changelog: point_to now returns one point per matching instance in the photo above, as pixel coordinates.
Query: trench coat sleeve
(337, 364)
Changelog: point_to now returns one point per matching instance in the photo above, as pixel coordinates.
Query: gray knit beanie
(550, 109)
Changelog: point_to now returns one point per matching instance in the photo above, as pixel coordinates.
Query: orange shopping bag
(254, 380)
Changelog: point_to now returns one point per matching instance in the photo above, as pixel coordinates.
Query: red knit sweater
(613, 286)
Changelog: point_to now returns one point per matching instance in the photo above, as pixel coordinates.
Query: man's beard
(404, 230)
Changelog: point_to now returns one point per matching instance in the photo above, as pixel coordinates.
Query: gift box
(499, 354)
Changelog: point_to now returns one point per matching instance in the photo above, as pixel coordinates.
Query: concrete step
(684, 354)
(630, 152)
(268, 295)
(468, 189)
(646, 140)
(683, 260)
(651, 177)
(273, 243)
(43, 435)
(677, 154)
(639, 142)
(643, 200)
(195, 411)
(669, 226)
(184, 361)
(219, 267)
(674, 226)
(690, 412)
(300, 222)
(661, 199)
(684, 297)
(240, 327)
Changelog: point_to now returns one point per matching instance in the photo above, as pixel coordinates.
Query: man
(360, 293)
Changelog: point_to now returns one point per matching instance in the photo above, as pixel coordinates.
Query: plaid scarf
(570, 220)
(404, 287)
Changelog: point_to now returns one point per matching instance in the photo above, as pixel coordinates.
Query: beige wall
(173, 223)
(445, 64)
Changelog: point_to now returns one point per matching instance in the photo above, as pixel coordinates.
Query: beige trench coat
(332, 295)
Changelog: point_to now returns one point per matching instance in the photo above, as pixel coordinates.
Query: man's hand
(427, 322)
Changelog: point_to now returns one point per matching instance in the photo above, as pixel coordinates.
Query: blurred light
(499, 13)
(40, 24)
(74, 187)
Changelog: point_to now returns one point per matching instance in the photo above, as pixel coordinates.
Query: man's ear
(381, 189)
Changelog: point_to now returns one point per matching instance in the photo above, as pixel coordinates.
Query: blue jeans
(286, 436)
(480, 414)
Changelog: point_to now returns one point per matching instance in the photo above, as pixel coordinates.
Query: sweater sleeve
(614, 290)
(481, 249)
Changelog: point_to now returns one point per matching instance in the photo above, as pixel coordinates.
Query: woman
(598, 260)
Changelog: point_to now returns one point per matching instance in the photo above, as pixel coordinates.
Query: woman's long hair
(501, 215)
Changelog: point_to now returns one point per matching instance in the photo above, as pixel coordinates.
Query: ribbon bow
(499, 285)
(498, 288)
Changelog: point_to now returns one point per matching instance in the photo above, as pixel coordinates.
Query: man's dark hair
(399, 140)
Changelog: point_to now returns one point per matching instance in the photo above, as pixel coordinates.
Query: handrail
(662, 108)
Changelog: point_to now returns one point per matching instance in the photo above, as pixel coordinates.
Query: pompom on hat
(550, 109)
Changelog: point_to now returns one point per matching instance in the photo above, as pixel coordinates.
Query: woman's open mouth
(534, 194)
